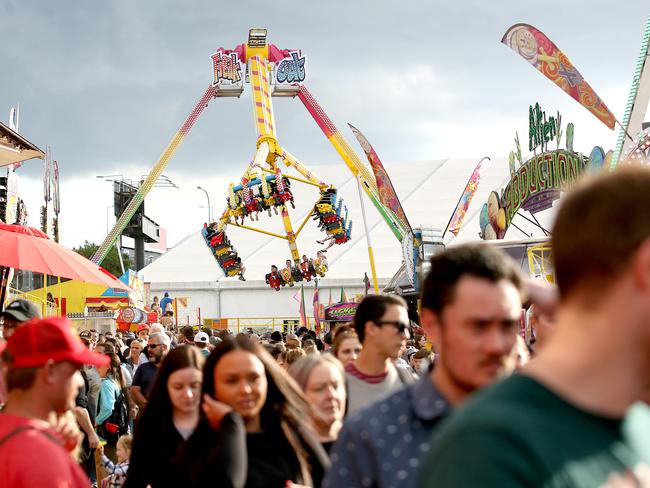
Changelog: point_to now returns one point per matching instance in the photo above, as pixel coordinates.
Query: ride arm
(350, 158)
(152, 177)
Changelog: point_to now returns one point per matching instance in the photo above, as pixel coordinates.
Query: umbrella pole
(44, 307)
(59, 305)
(4, 276)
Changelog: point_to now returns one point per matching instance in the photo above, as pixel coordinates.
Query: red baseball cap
(143, 327)
(39, 341)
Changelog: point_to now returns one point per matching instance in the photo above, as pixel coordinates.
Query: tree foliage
(111, 262)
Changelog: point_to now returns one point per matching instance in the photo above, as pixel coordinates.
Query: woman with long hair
(322, 379)
(346, 345)
(112, 384)
(170, 418)
(280, 441)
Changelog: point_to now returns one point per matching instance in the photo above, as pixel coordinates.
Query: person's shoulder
(372, 415)
(148, 368)
(60, 469)
(503, 406)
(23, 435)
(10, 422)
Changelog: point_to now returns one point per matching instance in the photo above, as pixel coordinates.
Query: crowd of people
(451, 401)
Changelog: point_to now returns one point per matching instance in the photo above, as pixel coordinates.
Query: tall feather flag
(303, 313)
(316, 309)
(533, 45)
(456, 220)
(344, 297)
(387, 195)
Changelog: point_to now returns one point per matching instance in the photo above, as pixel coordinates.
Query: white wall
(249, 299)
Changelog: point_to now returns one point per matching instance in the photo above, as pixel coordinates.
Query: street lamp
(208, 196)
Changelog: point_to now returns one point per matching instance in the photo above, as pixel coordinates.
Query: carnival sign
(290, 69)
(540, 130)
(341, 312)
(538, 182)
(227, 68)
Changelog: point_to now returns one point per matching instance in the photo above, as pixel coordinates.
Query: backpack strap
(25, 428)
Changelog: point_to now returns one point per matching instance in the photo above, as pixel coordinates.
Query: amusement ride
(264, 190)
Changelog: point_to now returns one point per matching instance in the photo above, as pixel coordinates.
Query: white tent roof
(428, 190)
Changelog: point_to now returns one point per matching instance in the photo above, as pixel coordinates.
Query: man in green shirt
(566, 420)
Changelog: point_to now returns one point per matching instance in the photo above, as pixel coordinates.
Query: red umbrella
(30, 249)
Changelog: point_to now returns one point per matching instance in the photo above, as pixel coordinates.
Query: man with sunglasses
(381, 322)
(471, 306)
(158, 347)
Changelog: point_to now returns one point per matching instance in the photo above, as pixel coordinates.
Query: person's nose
(498, 342)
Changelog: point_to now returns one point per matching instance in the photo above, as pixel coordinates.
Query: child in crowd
(117, 472)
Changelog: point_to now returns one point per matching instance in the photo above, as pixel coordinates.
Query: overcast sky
(107, 84)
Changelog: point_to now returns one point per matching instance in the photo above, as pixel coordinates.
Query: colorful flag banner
(387, 195)
(316, 309)
(344, 297)
(456, 220)
(303, 313)
(532, 45)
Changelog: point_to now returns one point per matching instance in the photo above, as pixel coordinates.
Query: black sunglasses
(400, 326)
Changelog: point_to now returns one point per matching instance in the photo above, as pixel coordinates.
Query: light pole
(208, 196)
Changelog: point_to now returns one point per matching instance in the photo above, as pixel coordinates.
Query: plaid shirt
(117, 473)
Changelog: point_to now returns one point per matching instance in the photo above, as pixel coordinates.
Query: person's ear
(48, 371)
(370, 329)
(430, 322)
(641, 267)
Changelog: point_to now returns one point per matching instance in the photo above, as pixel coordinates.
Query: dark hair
(598, 228)
(373, 308)
(422, 354)
(21, 378)
(275, 350)
(285, 407)
(114, 367)
(302, 329)
(327, 338)
(109, 347)
(477, 260)
(161, 410)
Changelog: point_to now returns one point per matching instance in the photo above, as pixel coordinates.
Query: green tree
(110, 263)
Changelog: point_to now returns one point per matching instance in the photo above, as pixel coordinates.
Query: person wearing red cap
(44, 357)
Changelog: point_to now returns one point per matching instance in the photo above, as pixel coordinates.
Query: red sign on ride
(226, 68)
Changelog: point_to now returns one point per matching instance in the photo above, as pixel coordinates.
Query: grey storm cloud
(107, 84)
